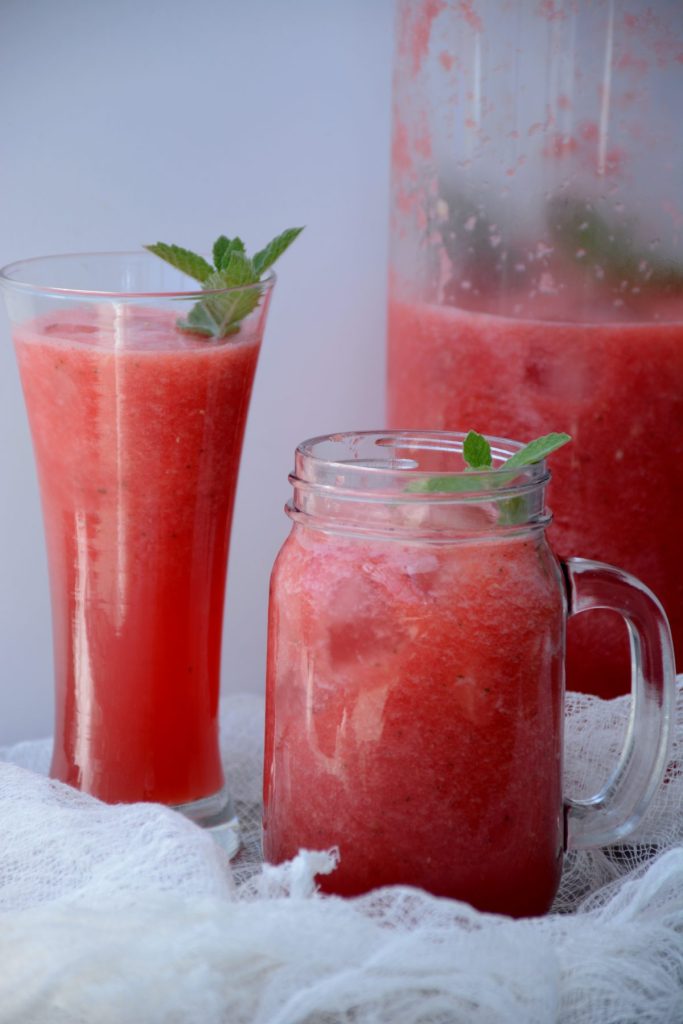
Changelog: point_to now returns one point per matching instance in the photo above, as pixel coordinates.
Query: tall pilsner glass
(137, 430)
(537, 266)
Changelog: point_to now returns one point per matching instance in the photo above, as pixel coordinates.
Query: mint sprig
(272, 252)
(536, 450)
(189, 262)
(476, 453)
(232, 285)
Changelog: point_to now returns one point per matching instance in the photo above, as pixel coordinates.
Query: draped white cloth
(131, 914)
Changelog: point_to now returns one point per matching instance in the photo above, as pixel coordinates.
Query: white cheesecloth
(131, 914)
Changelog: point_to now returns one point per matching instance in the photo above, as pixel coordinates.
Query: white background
(128, 121)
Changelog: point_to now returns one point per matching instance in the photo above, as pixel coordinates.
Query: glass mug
(415, 689)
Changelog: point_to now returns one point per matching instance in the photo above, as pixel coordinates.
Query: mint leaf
(236, 251)
(512, 511)
(464, 482)
(227, 308)
(223, 247)
(266, 257)
(188, 262)
(536, 450)
(233, 286)
(236, 271)
(476, 451)
(219, 246)
(201, 320)
(477, 454)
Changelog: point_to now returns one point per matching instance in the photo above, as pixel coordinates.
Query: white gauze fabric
(131, 914)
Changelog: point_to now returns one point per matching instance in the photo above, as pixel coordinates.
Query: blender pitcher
(536, 266)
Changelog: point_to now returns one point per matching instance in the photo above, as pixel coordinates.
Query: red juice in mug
(432, 679)
(415, 683)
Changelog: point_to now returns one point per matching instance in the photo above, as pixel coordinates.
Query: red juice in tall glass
(137, 428)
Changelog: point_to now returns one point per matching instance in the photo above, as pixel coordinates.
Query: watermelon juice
(617, 388)
(137, 429)
(414, 701)
(414, 704)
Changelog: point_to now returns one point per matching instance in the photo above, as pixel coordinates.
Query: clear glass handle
(614, 812)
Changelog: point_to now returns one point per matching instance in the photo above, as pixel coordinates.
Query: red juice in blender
(537, 267)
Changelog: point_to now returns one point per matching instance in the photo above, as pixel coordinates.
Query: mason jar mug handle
(615, 811)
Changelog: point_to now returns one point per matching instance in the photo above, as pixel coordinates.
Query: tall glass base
(218, 814)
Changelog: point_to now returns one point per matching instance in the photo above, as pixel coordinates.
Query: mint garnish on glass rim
(221, 312)
(476, 452)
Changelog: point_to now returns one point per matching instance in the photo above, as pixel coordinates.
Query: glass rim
(31, 288)
(315, 471)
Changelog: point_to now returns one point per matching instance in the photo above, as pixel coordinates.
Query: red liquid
(414, 716)
(137, 430)
(617, 489)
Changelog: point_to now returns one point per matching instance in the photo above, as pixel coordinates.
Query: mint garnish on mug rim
(476, 452)
(220, 312)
